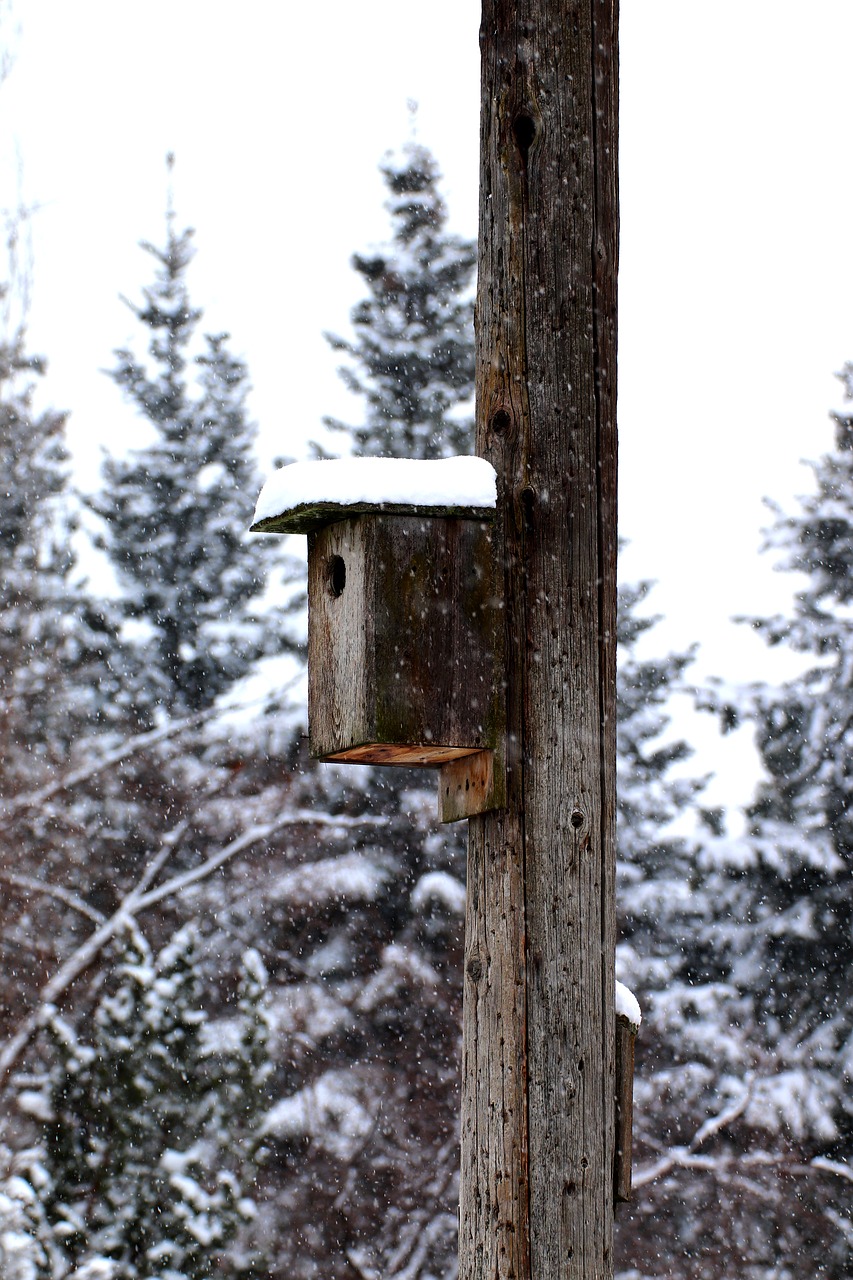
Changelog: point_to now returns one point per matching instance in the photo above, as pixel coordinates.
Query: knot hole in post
(501, 421)
(337, 575)
(524, 130)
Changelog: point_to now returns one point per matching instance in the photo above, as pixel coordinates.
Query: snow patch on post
(628, 1006)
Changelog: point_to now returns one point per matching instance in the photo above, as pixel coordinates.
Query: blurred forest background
(231, 995)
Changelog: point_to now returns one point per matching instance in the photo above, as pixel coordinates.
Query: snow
(223, 1036)
(627, 1005)
(437, 887)
(308, 1009)
(800, 1101)
(34, 1103)
(329, 1111)
(349, 878)
(442, 482)
(401, 973)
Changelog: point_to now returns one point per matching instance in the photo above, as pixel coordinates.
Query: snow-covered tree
(412, 358)
(802, 819)
(52, 635)
(25, 1247)
(691, 1056)
(176, 510)
(59, 672)
(147, 1123)
(784, 890)
(752, 1175)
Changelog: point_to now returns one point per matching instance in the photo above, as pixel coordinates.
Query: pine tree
(779, 931)
(33, 460)
(59, 672)
(52, 634)
(413, 352)
(802, 819)
(147, 1130)
(792, 887)
(175, 511)
(691, 1056)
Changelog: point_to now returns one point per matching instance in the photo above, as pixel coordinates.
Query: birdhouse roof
(306, 495)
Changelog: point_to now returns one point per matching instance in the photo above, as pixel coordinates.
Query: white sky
(736, 269)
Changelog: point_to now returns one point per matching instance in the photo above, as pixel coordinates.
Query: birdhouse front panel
(404, 625)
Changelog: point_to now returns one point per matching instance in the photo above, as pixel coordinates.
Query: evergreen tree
(34, 568)
(59, 663)
(52, 635)
(802, 819)
(176, 511)
(147, 1131)
(413, 353)
(785, 888)
(691, 1055)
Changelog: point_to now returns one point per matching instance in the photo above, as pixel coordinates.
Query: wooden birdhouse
(404, 616)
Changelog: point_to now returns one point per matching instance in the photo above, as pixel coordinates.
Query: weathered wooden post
(538, 1070)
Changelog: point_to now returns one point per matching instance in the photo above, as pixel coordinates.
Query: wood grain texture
(624, 1139)
(404, 631)
(431, 757)
(538, 1055)
(470, 785)
(308, 517)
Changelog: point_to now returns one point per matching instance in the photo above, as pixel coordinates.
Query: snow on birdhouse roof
(305, 495)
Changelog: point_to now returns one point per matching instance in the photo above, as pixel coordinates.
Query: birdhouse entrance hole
(337, 575)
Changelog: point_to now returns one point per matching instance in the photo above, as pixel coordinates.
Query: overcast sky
(735, 265)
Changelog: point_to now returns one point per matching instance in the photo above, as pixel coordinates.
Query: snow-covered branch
(141, 898)
(734, 1166)
(102, 760)
(832, 1166)
(687, 1156)
(99, 763)
(65, 896)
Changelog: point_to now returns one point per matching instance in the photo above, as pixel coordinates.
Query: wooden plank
(626, 1035)
(470, 785)
(384, 753)
(341, 637)
(308, 517)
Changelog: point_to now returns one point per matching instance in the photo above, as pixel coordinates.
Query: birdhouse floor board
(470, 786)
(397, 754)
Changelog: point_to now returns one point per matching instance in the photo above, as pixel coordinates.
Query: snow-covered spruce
(412, 357)
(174, 511)
(148, 1126)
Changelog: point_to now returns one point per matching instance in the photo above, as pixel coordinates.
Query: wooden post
(626, 1034)
(538, 1072)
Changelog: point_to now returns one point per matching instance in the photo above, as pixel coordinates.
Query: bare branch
(53, 891)
(301, 817)
(140, 899)
(731, 1167)
(686, 1156)
(14, 807)
(832, 1166)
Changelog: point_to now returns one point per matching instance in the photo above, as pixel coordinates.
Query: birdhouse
(404, 615)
